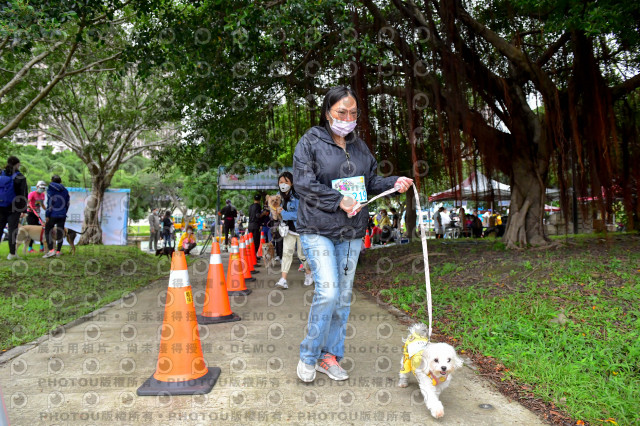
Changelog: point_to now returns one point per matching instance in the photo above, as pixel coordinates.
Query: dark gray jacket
(317, 160)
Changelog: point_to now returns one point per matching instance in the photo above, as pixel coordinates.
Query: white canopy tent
(476, 186)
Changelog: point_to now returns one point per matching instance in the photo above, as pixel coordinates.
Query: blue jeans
(267, 233)
(332, 298)
(167, 239)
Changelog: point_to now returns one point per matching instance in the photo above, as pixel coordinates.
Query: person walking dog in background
(331, 167)
(58, 201)
(13, 201)
(36, 202)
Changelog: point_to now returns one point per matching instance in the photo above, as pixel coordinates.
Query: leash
(423, 239)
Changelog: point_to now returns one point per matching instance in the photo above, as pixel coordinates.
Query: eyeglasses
(344, 114)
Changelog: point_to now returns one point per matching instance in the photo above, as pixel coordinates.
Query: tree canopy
(44, 42)
(530, 89)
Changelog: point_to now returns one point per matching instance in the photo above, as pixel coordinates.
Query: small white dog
(431, 363)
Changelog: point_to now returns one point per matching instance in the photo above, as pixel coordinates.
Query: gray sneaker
(51, 253)
(308, 280)
(306, 372)
(282, 283)
(328, 365)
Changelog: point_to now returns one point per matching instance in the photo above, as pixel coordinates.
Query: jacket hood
(56, 187)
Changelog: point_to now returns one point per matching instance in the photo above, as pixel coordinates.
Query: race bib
(353, 187)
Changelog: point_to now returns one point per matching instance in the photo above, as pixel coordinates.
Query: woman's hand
(347, 204)
(403, 184)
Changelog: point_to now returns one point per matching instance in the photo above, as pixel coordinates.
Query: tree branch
(3, 43)
(23, 71)
(93, 64)
(548, 54)
(44, 92)
(512, 53)
(625, 87)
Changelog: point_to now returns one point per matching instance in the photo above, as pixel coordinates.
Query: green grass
(138, 231)
(588, 366)
(37, 295)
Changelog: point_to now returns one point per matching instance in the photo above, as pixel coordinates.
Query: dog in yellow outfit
(431, 363)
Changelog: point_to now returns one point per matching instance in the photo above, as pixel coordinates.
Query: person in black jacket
(333, 169)
(13, 201)
(167, 225)
(58, 202)
(228, 215)
(256, 213)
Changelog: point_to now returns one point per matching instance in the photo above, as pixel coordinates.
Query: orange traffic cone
(235, 274)
(262, 241)
(252, 251)
(181, 369)
(248, 252)
(216, 308)
(367, 240)
(246, 264)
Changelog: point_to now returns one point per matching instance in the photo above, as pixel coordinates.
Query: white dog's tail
(420, 329)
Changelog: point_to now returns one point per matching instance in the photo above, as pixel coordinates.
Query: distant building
(37, 138)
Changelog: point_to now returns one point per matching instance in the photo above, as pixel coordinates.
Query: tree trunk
(524, 225)
(91, 227)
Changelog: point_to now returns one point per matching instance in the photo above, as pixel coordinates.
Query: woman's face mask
(285, 187)
(40, 190)
(342, 128)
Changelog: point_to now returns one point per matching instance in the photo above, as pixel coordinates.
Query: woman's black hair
(334, 95)
(286, 175)
(11, 163)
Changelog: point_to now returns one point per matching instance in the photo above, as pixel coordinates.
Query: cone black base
(249, 279)
(204, 384)
(240, 292)
(255, 272)
(217, 320)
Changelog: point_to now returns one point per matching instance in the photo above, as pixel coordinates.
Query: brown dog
(26, 233)
(269, 255)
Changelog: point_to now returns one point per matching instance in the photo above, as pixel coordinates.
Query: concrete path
(88, 372)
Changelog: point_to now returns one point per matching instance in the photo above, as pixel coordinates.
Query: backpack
(7, 191)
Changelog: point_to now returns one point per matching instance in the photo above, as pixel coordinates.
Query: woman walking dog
(333, 168)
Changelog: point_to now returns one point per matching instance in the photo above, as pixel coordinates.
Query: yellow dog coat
(412, 356)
